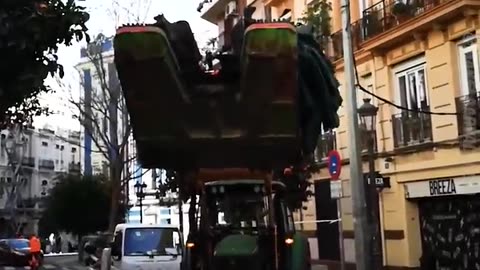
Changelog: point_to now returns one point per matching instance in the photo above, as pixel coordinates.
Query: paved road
(54, 263)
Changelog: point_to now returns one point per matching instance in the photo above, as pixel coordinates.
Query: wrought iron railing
(468, 108)
(46, 164)
(381, 17)
(326, 143)
(337, 40)
(74, 167)
(28, 161)
(384, 15)
(411, 128)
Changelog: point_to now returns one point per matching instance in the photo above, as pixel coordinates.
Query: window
(62, 147)
(44, 143)
(57, 146)
(469, 69)
(411, 127)
(411, 87)
(74, 150)
(165, 212)
(159, 241)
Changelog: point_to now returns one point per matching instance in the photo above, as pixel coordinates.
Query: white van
(147, 247)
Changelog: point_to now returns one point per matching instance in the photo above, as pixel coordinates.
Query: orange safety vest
(35, 244)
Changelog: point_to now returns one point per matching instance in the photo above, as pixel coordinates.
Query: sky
(103, 20)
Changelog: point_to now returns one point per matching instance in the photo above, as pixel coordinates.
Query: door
(327, 233)
(450, 230)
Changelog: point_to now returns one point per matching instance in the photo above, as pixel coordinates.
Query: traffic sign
(336, 189)
(334, 164)
(379, 181)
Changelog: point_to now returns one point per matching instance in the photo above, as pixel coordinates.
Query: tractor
(226, 130)
(244, 225)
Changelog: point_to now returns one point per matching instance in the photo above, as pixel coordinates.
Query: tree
(30, 33)
(79, 205)
(317, 15)
(104, 115)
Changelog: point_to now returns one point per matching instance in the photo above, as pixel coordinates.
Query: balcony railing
(74, 167)
(381, 17)
(410, 128)
(384, 15)
(468, 108)
(46, 164)
(326, 143)
(28, 161)
(337, 40)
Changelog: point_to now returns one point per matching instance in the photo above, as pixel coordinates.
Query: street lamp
(368, 121)
(140, 192)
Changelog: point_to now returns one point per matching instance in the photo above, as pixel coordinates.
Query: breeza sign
(443, 187)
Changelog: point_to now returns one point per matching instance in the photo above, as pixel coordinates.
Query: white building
(155, 209)
(40, 155)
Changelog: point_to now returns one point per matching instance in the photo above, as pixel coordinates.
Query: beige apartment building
(423, 56)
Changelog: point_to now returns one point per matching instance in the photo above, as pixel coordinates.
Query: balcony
(28, 161)
(47, 164)
(74, 167)
(392, 22)
(74, 136)
(221, 40)
(326, 143)
(337, 40)
(468, 108)
(410, 129)
(212, 9)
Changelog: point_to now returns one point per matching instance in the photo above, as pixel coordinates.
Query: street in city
(63, 262)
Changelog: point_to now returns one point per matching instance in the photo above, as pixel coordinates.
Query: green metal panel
(237, 245)
(299, 252)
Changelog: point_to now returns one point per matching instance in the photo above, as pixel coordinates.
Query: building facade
(424, 60)
(155, 209)
(40, 156)
(423, 57)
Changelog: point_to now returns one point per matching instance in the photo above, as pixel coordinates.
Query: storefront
(449, 212)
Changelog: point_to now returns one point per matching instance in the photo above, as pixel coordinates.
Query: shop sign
(443, 187)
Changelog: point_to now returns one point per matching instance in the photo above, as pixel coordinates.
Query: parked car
(16, 252)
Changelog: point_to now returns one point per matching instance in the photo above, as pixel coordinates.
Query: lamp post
(140, 192)
(367, 115)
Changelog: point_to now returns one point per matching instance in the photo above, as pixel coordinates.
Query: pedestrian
(35, 250)
(58, 244)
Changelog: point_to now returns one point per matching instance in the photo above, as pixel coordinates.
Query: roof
(242, 182)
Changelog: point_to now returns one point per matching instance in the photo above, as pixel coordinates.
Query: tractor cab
(242, 225)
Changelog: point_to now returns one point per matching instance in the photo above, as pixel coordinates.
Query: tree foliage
(30, 33)
(317, 15)
(80, 205)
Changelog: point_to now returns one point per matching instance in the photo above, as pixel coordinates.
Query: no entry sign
(334, 164)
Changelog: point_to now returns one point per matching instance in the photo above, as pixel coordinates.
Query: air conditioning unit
(231, 8)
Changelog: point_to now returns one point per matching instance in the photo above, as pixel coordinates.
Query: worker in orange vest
(35, 250)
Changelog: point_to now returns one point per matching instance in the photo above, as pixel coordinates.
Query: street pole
(180, 213)
(340, 234)
(360, 221)
(376, 244)
(141, 210)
